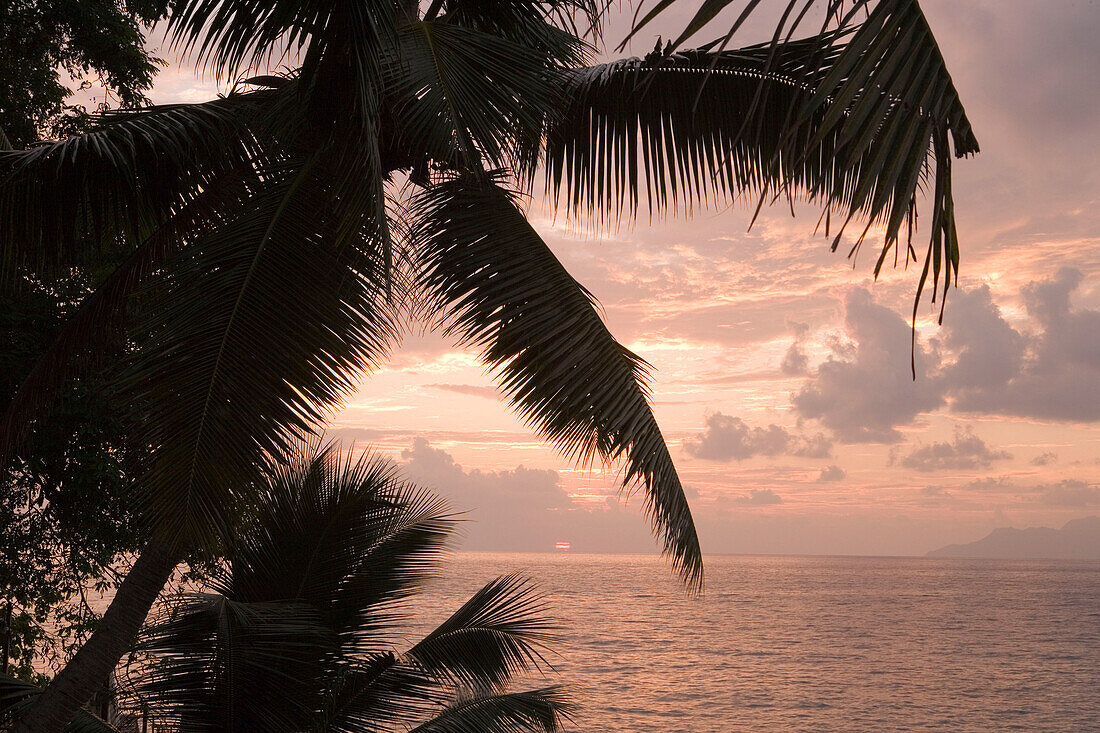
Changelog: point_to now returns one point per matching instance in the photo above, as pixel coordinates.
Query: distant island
(1079, 539)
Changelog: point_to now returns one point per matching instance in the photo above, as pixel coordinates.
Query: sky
(781, 371)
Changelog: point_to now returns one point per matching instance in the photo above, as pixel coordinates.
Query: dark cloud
(524, 509)
(966, 452)
(812, 446)
(350, 436)
(865, 390)
(1051, 374)
(1044, 459)
(832, 473)
(1069, 493)
(474, 390)
(729, 438)
(989, 352)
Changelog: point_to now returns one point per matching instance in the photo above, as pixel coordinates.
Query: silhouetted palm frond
(493, 637)
(249, 335)
(502, 291)
(115, 185)
(515, 712)
(854, 119)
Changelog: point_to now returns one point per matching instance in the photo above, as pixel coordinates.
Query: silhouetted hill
(1079, 539)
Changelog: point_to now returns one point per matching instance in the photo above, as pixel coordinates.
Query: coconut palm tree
(270, 235)
(297, 630)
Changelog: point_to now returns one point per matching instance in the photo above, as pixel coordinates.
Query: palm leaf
(378, 691)
(494, 636)
(100, 315)
(340, 42)
(852, 119)
(225, 665)
(114, 186)
(249, 336)
(459, 94)
(516, 712)
(547, 27)
(503, 291)
(344, 535)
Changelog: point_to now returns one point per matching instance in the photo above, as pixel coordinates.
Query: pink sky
(781, 374)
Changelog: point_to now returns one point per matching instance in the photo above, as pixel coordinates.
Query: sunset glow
(781, 370)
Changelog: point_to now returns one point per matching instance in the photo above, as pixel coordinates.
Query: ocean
(813, 643)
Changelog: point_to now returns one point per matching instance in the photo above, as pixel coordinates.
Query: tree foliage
(66, 515)
(92, 42)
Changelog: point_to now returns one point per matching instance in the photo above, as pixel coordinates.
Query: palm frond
(346, 536)
(491, 638)
(460, 94)
(101, 313)
(248, 338)
(852, 119)
(378, 691)
(530, 711)
(17, 695)
(230, 38)
(410, 539)
(502, 290)
(107, 189)
(219, 664)
(548, 27)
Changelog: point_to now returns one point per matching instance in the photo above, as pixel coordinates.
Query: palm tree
(269, 241)
(297, 630)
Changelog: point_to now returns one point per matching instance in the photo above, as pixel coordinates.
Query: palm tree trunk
(97, 659)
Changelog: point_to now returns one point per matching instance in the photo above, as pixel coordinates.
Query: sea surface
(813, 643)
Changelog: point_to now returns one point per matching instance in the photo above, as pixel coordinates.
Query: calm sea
(814, 643)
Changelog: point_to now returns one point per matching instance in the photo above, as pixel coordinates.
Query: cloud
(832, 473)
(795, 362)
(1069, 493)
(729, 438)
(757, 497)
(965, 453)
(523, 509)
(990, 484)
(474, 390)
(1044, 459)
(1051, 374)
(814, 446)
(989, 351)
(864, 391)
(980, 365)
(524, 489)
